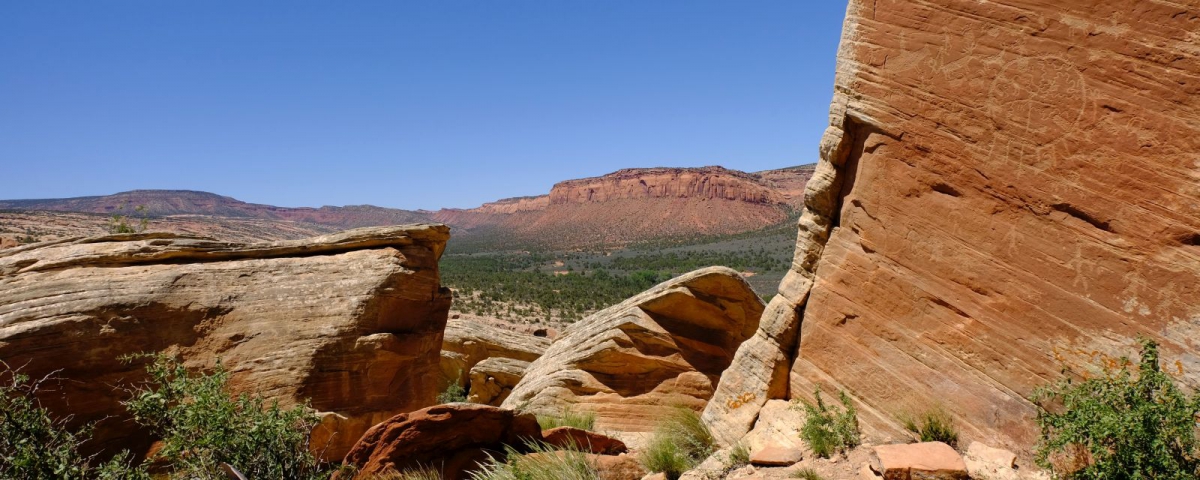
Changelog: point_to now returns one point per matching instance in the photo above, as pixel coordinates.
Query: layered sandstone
(469, 341)
(1004, 189)
(710, 183)
(351, 321)
(630, 363)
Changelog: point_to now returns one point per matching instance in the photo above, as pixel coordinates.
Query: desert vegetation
(933, 425)
(568, 417)
(1125, 422)
(680, 442)
(829, 430)
(543, 462)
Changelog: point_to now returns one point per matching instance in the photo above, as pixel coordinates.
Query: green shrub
(935, 425)
(544, 462)
(35, 446)
(739, 456)
(828, 431)
(807, 474)
(202, 426)
(568, 418)
(454, 392)
(1119, 425)
(679, 443)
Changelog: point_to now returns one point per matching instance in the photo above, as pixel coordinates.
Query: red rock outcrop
(583, 440)
(1004, 188)
(711, 183)
(352, 321)
(454, 438)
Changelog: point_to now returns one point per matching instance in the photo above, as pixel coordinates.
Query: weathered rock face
(352, 321)
(454, 438)
(705, 183)
(1003, 188)
(493, 379)
(469, 342)
(632, 362)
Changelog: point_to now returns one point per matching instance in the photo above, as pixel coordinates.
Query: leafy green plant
(36, 446)
(569, 417)
(202, 425)
(543, 462)
(935, 425)
(827, 430)
(679, 443)
(1119, 425)
(454, 392)
(807, 474)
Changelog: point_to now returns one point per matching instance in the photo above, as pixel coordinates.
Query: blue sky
(420, 104)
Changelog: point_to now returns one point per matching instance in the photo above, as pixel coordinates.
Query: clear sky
(407, 104)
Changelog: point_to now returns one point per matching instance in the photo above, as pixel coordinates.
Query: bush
(35, 446)
(827, 431)
(1119, 426)
(202, 426)
(568, 418)
(454, 392)
(935, 425)
(543, 463)
(679, 443)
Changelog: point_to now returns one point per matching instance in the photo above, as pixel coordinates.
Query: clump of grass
(454, 392)
(935, 425)
(679, 443)
(569, 417)
(807, 474)
(739, 456)
(543, 462)
(828, 430)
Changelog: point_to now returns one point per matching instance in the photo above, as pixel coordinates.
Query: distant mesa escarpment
(622, 207)
(638, 204)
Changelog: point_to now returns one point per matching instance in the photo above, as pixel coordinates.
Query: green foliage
(679, 443)
(35, 446)
(425, 473)
(807, 474)
(1118, 425)
(739, 456)
(202, 426)
(119, 222)
(454, 392)
(935, 425)
(828, 431)
(568, 418)
(544, 462)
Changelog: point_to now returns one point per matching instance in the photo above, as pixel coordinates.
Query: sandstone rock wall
(352, 321)
(1004, 188)
(632, 362)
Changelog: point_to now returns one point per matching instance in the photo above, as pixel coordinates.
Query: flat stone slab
(919, 461)
(776, 456)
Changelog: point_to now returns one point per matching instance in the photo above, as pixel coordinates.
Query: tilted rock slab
(1004, 188)
(351, 321)
(630, 363)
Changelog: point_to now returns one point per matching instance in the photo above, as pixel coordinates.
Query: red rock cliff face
(712, 183)
(1004, 188)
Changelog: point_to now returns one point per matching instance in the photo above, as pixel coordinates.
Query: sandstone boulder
(779, 423)
(468, 341)
(455, 438)
(775, 456)
(630, 363)
(578, 439)
(1004, 188)
(990, 462)
(351, 321)
(919, 461)
(493, 379)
